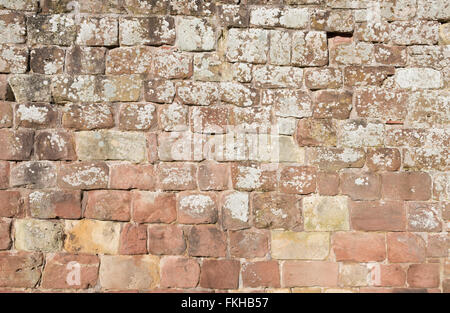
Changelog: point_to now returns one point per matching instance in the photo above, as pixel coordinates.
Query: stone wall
(254, 145)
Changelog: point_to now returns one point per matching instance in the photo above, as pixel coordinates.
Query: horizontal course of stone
(253, 145)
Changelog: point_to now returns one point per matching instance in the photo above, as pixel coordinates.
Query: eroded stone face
(152, 30)
(111, 145)
(325, 213)
(129, 272)
(300, 245)
(92, 237)
(247, 45)
(195, 35)
(202, 146)
(58, 29)
(38, 235)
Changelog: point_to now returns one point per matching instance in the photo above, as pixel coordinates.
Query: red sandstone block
(177, 176)
(359, 246)
(297, 179)
(387, 275)
(154, 207)
(83, 175)
(166, 239)
(5, 234)
(210, 119)
(249, 243)
(85, 60)
(208, 241)
(235, 210)
(406, 186)
(424, 216)
(4, 87)
(11, 203)
(390, 55)
(253, 176)
(305, 274)
(220, 274)
(332, 104)
(16, 64)
(46, 115)
(366, 76)
(138, 116)
(114, 205)
(213, 176)
(16, 144)
(132, 176)
(277, 210)
(55, 145)
(197, 207)
(361, 186)
(328, 183)
(437, 245)
(316, 132)
(6, 112)
(67, 271)
(179, 272)
(133, 239)
(378, 215)
(20, 269)
(423, 275)
(383, 159)
(261, 274)
(405, 248)
(47, 60)
(4, 174)
(55, 204)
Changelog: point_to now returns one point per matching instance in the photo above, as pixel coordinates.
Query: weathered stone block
(129, 272)
(152, 30)
(57, 29)
(111, 145)
(92, 237)
(300, 245)
(195, 34)
(38, 235)
(325, 213)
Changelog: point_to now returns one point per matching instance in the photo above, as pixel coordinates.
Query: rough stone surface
(122, 272)
(38, 235)
(224, 146)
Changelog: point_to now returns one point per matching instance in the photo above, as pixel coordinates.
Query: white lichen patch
(237, 94)
(198, 93)
(195, 34)
(32, 113)
(178, 176)
(362, 181)
(278, 213)
(249, 178)
(13, 31)
(12, 59)
(278, 76)
(354, 53)
(288, 103)
(86, 176)
(295, 18)
(425, 218)
(174, 117)
(248, 45)
(237, 204)
(196, 204)
(418, 78)
(57, 141)
(280, 47)
(355, 134)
